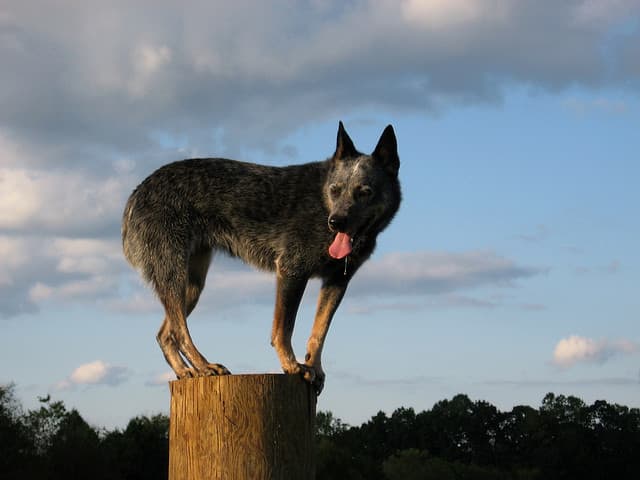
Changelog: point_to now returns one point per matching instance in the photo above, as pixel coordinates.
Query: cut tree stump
(242, 427)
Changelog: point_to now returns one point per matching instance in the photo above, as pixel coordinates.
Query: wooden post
(242, 427)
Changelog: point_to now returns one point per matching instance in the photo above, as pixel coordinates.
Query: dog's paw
(295, 368)
(213, 369)
(315, 376)
(312, 374)
(318, 383)
(186, 372)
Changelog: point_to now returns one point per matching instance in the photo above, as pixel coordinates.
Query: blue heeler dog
(319, 219)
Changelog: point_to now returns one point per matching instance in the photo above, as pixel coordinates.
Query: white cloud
(95, 373)
(426, 272)
(39, 292)
(59, 201)
(85, 255)
(147, 68)
(161, 379)
(125, 77)
(147, 60)
(84, 269)
(597, 12)
(19, 197)
(576, 349)
(401, 274)
(87, 289)
(13, 256)
(427, 280)
(39, 268)
(47, 219)
(441, 14)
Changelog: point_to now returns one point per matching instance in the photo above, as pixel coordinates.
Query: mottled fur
(279, 219)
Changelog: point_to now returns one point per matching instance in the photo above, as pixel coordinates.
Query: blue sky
(510, 271)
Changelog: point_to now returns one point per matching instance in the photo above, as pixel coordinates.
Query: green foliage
(457, 439)
(327, 425)
(74, 450)
(44, 423)
(463, 439)
(53, 443)
(413, 464)
(16, 443)
(141, 451)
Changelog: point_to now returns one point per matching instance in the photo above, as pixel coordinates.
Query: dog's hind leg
(198, 267)
(177, 324)
(171, 352)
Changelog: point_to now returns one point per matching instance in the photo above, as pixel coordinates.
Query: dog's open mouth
(341, 246)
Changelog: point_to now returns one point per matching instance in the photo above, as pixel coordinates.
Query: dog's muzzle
(337, 223)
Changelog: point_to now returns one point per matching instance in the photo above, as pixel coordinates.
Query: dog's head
(362, 192)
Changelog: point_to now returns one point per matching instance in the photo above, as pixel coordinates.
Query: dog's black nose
(337, 223)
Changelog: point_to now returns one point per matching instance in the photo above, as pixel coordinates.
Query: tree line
(457, 439)
(53, 443)
(461, 439)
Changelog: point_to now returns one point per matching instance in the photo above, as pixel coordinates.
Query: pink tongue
(341, 246)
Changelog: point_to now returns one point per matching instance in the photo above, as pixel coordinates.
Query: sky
(510, 271)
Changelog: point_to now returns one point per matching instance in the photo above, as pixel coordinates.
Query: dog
(319, 219)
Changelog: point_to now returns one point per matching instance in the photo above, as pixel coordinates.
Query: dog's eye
(335, 189)
(363, 192)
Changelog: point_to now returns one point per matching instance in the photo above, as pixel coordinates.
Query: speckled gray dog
(319, 219)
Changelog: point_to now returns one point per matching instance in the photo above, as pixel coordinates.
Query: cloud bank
(423, 273)
(95, 95)
(36, 271)
(576, 349)
(123, 72)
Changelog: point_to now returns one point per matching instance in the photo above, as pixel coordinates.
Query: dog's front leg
(289, 292)
(330, 296)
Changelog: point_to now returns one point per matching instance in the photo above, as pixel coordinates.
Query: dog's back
(251, 211)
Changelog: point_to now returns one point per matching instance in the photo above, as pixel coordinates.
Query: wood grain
(244, 427)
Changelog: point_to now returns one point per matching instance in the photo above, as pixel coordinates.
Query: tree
(519, 437)
(614, 432)
(17, 450)
(327, 425)
(334, 457)
(141, 451)
(457, 438)
(462, 430)
(43, 424)
(413, 464)
(75, 450)
(564, 450)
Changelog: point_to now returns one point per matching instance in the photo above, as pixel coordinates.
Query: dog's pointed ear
(344, 145)
(387, 150)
